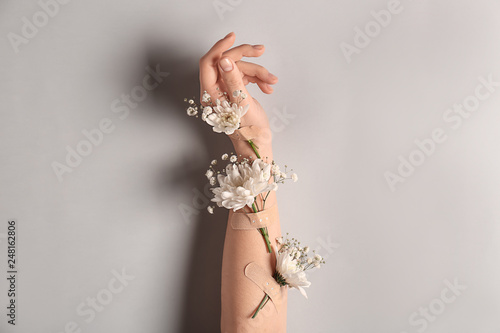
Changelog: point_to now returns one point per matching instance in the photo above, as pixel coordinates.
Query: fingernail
(273, 77)
(229, 34)
(258, 47)
(226, 65)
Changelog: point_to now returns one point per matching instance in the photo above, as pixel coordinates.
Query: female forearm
(241, 296)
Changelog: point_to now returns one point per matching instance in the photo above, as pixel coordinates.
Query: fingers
(265, 87)
(231, 76)
(249, 69)
(244, 50)
(208, 63)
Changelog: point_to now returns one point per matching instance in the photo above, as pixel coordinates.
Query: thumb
(232, 78)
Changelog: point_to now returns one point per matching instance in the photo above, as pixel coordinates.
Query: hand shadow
(200, 311)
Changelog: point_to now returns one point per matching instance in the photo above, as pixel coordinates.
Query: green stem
(254, 147)
(263, 232)
(261, 305)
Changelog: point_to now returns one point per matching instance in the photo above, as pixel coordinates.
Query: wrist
(244, 148)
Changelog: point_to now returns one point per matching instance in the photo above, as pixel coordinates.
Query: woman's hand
(222, 70)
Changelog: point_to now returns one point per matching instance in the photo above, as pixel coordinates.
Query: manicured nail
(226, 65)
(273, 77)
(229, 34)
(258, 47)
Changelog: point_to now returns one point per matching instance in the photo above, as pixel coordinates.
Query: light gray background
(388, 253)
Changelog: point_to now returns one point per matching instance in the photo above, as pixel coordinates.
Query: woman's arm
(222, 70)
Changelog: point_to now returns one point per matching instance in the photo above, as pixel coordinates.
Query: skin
(240, 296)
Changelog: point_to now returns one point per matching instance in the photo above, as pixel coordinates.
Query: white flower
(225, 157)
(279, 240)
(243, 95)
(306, 249)
(206, 111)
(226, 117)
(214, 162)
(317, 257)
(212, 181)
(209, 174)
(233, 158)
(236, 93)
(295, 177)
(288, 267)
(275, 169)
(191, 101)
(241, 184)
(283, 175)
(210, 209)
(206, 97)
(191, 111)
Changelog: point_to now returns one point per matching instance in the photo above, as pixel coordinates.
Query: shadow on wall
(200, 311)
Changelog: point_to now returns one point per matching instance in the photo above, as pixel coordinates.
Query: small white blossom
(191, 111)
(279, 240)
(295, 177)
(210, 209)
(206, 97)
(191, 101)
(236, 93)
(212, 181)
(209, 173)
(225, 157)
(214, 162)
(243, 95)
(275, 169)
(233, 158)
(206, 111)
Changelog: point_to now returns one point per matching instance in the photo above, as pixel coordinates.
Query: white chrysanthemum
(276, 169)
(287, 266)
(206, 111)
(241, 184)
(226, 117)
